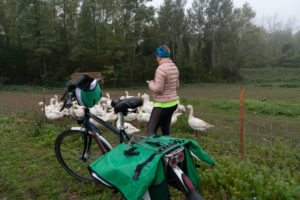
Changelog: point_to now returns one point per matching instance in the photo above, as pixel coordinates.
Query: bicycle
(78, 147)
(77, 143)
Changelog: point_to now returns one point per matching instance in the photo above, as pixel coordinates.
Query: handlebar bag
(88, 91)
(118, 169)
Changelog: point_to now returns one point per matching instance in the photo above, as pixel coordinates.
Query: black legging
(160, 117)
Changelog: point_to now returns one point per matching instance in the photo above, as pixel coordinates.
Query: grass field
(271, 75)
(29, 169)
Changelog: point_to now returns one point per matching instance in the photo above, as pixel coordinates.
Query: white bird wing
(95, 122)
(144, 117)
(130, 128)
(79, 110)
(180, 108)
(148, 109)
(130, 117)
(54, 115)
(103, 100)
(197, 123)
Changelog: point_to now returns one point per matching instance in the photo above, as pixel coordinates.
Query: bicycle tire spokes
(71, 154)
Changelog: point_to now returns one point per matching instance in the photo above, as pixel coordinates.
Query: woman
(164, 92)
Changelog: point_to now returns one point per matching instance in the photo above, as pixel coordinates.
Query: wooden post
(242, 120)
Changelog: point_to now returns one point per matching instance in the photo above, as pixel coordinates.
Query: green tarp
(118, 169)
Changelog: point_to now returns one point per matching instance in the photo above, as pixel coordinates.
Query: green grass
(260, 107)
(269, 75)
(29, 168)
(290, 85)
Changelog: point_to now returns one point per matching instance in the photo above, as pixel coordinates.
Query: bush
(287, 61)
(244, 180)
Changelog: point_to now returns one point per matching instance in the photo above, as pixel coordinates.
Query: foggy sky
(283, 10)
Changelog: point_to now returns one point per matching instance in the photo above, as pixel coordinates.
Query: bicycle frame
(91, 129)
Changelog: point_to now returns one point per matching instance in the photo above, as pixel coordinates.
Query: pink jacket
(165, 82)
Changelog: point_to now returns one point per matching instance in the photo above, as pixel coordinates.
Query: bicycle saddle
(123, 105)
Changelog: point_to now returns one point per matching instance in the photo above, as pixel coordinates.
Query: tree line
(42, 42)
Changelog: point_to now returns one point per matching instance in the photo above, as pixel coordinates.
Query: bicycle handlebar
(67, 100)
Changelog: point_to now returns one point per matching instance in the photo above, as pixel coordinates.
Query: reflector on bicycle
(180, 157)
(173, 161)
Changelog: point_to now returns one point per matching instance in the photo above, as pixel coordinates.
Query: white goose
(109, 116)
(56, 98)
(51, 111)
(97, 110)
(105, 99)
(78, 110)
(108, 103)
(142, 116)
(174, 118)
(196, 123)
(146, 98)
(53, 114)
(130, 117)
(180, 108)
(58, 105)
(130, 129)
(147, 104)
(51, 106)
(127, 95)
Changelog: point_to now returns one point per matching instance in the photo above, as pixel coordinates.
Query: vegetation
(30, 170)
(43, 41)
(47, 40)
(270, 170)
(268, 75)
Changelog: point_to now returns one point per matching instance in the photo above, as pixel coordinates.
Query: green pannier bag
(118, 169)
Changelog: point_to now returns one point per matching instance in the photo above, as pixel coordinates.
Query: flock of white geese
(104, 110)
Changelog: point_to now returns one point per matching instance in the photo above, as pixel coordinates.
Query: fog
(284, 11)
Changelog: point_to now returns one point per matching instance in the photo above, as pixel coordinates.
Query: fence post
(242, 120)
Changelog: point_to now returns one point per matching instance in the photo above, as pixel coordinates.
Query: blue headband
(162, 52)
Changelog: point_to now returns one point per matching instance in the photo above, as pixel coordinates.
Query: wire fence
(25, 101)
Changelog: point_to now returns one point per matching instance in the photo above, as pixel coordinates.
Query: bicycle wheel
(69, 147)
